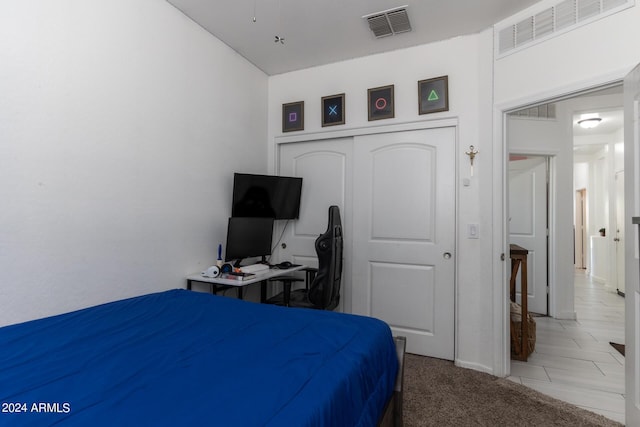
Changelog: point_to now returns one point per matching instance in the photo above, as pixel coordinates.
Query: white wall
(467, 62)
(580, 175)
(120, 126)
(599, 179)
(588, 55)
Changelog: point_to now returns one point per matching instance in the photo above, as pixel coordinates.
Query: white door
(528, 225)
(632, 209)
(404, 235)
(325, 168)
(619, 232)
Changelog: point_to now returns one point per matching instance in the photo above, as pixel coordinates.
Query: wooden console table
(518, 257)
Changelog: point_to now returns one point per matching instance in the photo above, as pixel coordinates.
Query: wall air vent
(542, 22)
(544, 111)
(389, 22)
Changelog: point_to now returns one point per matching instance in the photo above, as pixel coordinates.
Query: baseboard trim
(566, 315)
(474, 366)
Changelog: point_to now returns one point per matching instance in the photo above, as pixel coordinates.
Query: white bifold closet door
(396, 191)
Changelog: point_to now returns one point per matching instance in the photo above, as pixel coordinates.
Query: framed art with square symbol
(380, 101)
(433, 95)
(333, 110)
(293, 116)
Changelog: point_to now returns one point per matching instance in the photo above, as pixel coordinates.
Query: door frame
(502, 364)
(631, 209)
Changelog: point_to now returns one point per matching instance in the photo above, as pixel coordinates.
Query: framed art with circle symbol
(380, 101)
(333, 110)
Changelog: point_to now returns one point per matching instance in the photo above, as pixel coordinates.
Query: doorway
(585, 159)
(584, 192)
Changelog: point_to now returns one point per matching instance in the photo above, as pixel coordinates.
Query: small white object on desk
(213, 271)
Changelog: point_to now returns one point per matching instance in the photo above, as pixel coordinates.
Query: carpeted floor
(437, 393)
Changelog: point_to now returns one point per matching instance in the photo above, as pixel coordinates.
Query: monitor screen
(248, 237)
(266, 196)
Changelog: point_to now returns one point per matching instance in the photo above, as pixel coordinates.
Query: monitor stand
(236, 264)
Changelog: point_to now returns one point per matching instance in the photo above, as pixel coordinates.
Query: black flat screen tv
(267, 196)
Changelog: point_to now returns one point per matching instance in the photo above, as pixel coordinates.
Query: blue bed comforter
(180, 358)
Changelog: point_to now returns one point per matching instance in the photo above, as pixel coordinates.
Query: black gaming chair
(323, 291)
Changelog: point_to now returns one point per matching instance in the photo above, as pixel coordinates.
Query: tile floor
(573, 360)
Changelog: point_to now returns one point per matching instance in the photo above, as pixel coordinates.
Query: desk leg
(515, 265)
(188, 284)
(287, 292)
(240, 292)
(263, 291)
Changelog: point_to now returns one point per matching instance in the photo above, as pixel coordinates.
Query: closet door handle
(446, 255)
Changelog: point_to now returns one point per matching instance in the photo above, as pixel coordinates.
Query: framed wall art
(333, 110)
(433, 95)
(380, 103)
(293, 116)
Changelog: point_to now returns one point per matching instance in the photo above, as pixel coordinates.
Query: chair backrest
(324, 291)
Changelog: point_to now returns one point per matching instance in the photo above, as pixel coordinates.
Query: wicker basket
(516, 330)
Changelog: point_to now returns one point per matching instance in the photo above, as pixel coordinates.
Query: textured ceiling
(320, 32)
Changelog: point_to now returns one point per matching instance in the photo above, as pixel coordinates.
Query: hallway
(573, 360)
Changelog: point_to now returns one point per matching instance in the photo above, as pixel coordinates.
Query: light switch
(473, 231)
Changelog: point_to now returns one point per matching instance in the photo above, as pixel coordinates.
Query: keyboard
(255, 268)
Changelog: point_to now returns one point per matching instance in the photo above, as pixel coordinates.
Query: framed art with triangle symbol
(433, 95)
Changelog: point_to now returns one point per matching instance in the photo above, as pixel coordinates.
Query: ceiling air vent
(389, 22)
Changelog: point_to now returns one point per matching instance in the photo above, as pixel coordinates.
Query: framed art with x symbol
(333, 110)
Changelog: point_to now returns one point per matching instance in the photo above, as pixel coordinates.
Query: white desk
(218, 283)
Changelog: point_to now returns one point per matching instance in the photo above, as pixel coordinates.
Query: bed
(194, 359)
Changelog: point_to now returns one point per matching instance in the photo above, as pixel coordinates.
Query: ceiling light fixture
(589, 123)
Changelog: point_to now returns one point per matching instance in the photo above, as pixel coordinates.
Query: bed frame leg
(392, 415)
(401, 345)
